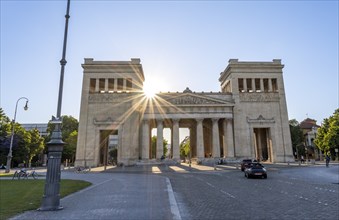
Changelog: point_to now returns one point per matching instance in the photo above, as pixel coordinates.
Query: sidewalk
(115, 196)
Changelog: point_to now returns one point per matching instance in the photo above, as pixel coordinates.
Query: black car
(256, 170)
(245, 164)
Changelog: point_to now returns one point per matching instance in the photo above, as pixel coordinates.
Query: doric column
(96, 85)
(270, 85)
(215, 138)
(124, 87)
(200, 139)
(245, 84)
(160, 139)
(224, 140)
(106, 85)
(145, 139)
(115, 85)
(175, 143)
(261, 85)
(253, 85)
(229, 137)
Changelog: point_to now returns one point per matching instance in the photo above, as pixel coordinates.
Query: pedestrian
(302, 159)
(327, 159)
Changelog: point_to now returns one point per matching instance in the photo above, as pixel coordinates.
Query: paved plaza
(201, 192)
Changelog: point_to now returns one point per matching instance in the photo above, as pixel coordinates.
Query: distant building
(247, 118)
(309, 127)
(42, 128)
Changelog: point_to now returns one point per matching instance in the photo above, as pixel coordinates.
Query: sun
(149, 89)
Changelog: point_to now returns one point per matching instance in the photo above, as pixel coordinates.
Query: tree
(70, 146)
(20, 147)
(69, 125)
(327, 138)
(185, 148)
(35, 146)
(26, 144)
(297, 137)
(154, 146)
(3, 118)
(5, 132)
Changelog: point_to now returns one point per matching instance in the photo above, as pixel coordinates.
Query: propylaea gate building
(247, 118)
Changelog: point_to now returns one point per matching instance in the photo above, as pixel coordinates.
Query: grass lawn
(17, 196)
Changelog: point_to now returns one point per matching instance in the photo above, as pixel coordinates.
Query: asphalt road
(287, 193)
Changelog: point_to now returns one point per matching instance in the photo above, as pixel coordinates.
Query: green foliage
(185, 148)
(21, 144)
(36, 144)
(69, 130)
(327, 138)
(26, 144)
(154, 146)
(70, 146)
(296, 137)
(15, 198)
(3, 118)
(5, 132)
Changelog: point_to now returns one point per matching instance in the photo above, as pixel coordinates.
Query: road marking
(210, 185)
(230, 195)
(173, 202)
(156, 169)
(177, 169)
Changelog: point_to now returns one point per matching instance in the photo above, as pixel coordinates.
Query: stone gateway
(246, 119)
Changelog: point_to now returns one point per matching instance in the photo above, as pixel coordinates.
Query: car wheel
(245, 174)
(265, 176)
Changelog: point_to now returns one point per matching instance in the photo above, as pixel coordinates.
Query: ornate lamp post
(51, 198)
(9, 157)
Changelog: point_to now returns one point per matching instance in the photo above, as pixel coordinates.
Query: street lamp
(51, 197)
(9, 157)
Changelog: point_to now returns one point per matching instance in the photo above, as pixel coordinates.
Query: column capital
(175, 120)
(199, 120)
(160, 120)
(215, 120)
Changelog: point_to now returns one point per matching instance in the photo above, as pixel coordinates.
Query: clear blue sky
(181, 44)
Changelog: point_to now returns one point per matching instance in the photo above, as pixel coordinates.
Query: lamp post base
(51, 198)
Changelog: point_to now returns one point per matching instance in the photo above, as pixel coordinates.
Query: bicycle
(24, 174)
(33, 174)
(81, 169)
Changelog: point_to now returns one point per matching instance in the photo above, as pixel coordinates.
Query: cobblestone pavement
(286, 194)
(114, 196)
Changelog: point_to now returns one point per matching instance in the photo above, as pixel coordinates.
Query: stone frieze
(260, 120)
(106, 97)
(259, 97)
(192, 100)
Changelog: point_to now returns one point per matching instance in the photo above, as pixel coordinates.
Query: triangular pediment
(194, 99)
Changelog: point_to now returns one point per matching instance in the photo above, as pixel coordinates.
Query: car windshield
(257, 165)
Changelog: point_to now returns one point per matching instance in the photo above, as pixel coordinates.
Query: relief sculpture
(191, 100)
(259, 97)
